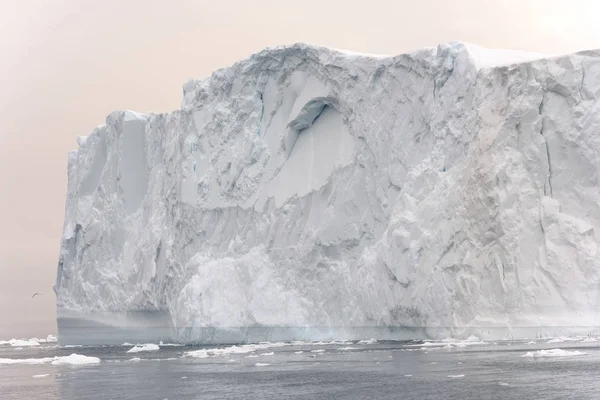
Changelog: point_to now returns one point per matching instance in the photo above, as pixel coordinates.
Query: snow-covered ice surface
(312, 194)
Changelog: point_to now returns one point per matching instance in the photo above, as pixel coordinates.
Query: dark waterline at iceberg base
(348, 370)
(110, 328)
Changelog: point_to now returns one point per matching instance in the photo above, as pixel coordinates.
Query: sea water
(551, 368)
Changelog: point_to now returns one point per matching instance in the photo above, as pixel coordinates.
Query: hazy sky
(66, 64)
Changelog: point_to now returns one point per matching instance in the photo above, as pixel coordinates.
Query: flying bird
(35, 294)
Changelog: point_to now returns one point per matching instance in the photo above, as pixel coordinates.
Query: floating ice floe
(144, 347)
(73, 359)
(20, 342)
(553, 353)
(367, 341)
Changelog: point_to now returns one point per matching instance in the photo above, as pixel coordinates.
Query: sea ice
(144, 347)
(553, 353)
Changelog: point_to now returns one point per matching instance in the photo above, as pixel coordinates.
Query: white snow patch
(589, 340)
(347, 348)
(129, 115)
(135, 359)
(40, 376)
(553, 353)
(489, 58)
(456, 376)
(318, 351)
(144, 347)
(261, 364)
(267, 354)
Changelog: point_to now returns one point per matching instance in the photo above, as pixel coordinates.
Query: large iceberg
(308, 193)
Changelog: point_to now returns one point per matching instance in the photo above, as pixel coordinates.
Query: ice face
(312, 194)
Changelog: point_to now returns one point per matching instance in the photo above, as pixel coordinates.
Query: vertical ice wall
(311, 193)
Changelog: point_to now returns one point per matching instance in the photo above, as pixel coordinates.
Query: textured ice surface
(312, 194)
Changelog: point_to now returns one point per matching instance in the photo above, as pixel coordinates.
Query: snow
(144, 347)
(261, 364)
(487, 58)
(41, 376)
(456, 376)
(553, 353)
(73, 359)
(267, 354)
(310, 194)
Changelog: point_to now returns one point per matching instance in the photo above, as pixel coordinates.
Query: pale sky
(66, 64)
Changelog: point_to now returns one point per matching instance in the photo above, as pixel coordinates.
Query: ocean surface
(560, 368)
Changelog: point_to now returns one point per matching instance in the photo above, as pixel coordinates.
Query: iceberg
(312, 194)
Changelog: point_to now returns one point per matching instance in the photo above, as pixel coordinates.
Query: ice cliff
(310, 193)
